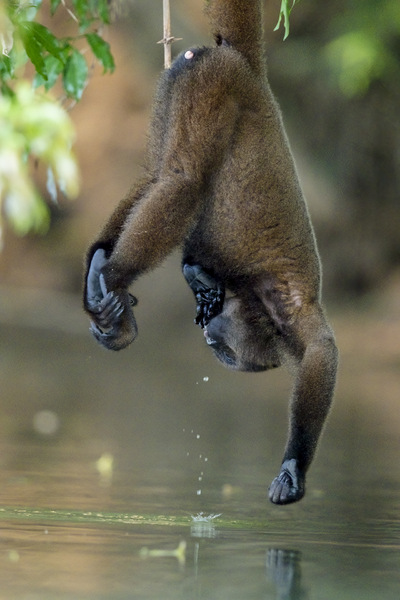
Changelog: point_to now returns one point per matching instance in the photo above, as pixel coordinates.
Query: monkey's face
(241, 340)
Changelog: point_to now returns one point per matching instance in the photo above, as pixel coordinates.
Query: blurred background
(161, 428)
(337, 80)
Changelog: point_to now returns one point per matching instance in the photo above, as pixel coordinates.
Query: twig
(71, 14)
(168, 39)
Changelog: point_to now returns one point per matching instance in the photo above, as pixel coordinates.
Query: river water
(144, 474)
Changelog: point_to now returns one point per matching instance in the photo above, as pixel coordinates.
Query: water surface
(180, 437)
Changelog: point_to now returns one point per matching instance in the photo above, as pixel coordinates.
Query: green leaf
(85, 13)
(33, 48)
(38, 40)
(75, 75)
(103, 8)
(46, 38)
(6, 67)
(54, 68)
(6, 91)
(284, 13)
(101, 50)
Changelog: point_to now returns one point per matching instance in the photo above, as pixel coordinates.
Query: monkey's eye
(228, 359)
(225, 354)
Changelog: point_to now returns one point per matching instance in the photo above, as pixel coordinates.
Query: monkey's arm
(312, 343)
(208, 291)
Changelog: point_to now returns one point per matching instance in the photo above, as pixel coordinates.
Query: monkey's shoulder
(215, 66)
(186, 61)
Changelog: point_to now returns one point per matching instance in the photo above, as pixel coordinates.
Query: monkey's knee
(289, 486)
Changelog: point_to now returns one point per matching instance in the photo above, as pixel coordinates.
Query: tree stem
(168, 39)
(167, 34)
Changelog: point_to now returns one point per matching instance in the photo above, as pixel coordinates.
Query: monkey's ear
(220, 41)
(272, 301)
(133, 301)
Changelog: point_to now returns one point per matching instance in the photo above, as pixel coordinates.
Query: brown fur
(222, 183)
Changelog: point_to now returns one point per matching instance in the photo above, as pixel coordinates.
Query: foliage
(32, 125)
(365, 46)
(284, 13)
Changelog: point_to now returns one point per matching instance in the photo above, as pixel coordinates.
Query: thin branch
(168, 39)
(71, 14)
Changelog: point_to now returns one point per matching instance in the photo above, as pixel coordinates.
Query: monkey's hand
(209, 293)
(112, 321)
(289, 485)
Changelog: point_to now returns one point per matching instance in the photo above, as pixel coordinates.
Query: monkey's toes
(288, 487)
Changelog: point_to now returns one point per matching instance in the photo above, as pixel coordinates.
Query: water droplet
(198, 436)
(206, 459)
(198, 492)
(205, 378)
(200, 479)
(187, 453)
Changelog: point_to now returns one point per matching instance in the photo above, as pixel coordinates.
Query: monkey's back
(216, 123)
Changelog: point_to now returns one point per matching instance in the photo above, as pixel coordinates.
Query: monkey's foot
(288, 487)
(112, 322)
(209, 293)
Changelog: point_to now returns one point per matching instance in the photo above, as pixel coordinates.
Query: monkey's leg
(312, 397)
(151, 231)
(200, 129)
(208, 291)
(103, 305)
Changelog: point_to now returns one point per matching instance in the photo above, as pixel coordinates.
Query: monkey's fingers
(209, 305)
(288, 487)
(201, 315)
(113, 323)
(198, 279)
(106, 313)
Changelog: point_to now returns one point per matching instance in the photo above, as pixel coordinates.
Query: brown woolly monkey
(221, 183)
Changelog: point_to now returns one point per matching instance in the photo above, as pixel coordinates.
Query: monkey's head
(243, 339)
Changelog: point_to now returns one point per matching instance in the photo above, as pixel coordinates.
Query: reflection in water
(179, 553)
(284, 569)
(125, 443)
